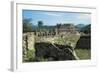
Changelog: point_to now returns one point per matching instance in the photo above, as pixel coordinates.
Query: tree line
(28, 26)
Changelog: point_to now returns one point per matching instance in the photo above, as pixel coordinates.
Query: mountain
(79, 26)
(86, 29)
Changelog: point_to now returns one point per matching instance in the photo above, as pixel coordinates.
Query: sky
(53, 17)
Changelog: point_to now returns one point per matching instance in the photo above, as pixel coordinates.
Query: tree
(40, 24)
(58, 25)
(27, 25)
(86, 29)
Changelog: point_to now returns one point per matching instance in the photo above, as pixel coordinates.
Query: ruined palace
(59, 29)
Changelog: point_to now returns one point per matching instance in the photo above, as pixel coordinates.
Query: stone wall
(28, 45)
(53, 52)
(28, 40)
(34, 50)
(84, 42)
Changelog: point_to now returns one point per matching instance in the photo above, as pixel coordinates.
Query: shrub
(30, 55)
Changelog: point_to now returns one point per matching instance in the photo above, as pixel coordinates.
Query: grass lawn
(83, 54)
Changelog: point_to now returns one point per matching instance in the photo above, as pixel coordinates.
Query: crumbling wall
(28, 45)
(54, 52)
(47, 51)
(84, 42)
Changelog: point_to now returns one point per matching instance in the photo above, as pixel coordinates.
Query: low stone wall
(84, 42)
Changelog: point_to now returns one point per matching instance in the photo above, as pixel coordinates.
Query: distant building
(65, 28)
(59, 29)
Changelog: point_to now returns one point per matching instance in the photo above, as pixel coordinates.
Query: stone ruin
(28, 43)
(49, 51)
(54, 52)
(84, 42)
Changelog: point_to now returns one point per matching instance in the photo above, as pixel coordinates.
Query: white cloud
(84, 16)
(52, 14)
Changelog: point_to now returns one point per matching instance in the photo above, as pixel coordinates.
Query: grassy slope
(83, 54)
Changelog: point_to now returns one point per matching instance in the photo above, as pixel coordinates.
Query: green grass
(83, 54)
(68, 39)
(30, 56)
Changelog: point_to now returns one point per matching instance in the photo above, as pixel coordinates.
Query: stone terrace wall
(84, 42)
(28, 46)
(28, 40)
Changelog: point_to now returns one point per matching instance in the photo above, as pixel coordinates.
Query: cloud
(53, 14)
(84, 16)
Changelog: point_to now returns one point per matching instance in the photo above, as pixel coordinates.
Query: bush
(30, 55)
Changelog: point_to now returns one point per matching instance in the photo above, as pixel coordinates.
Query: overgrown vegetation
(70, 39)
(30, 56)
